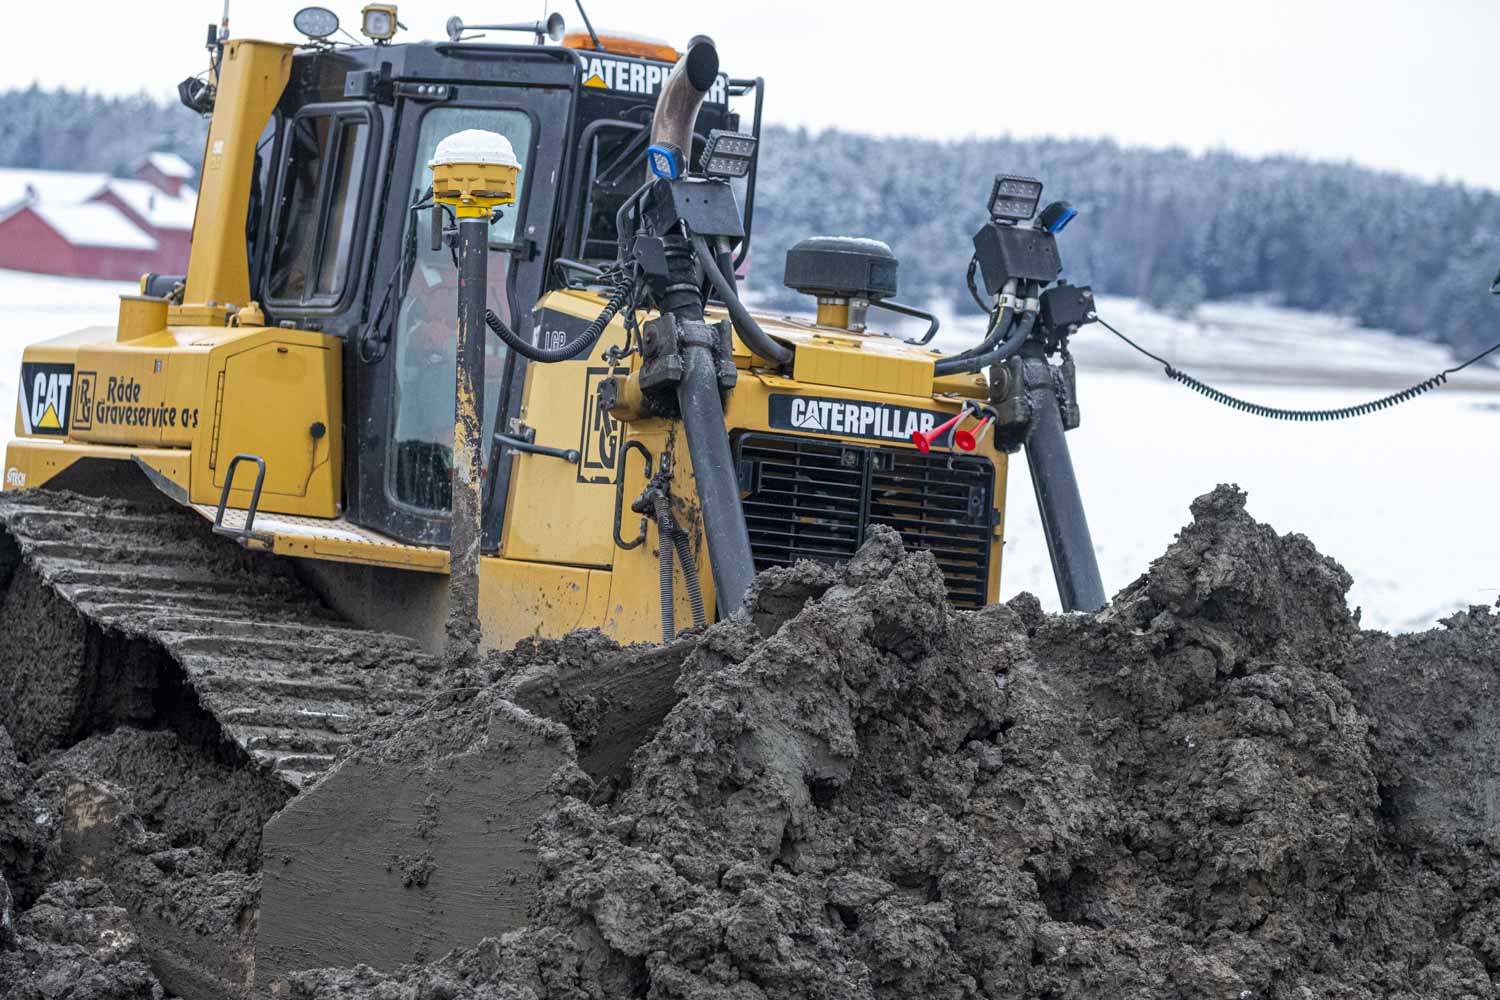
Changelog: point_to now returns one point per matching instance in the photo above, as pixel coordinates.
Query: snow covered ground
(1403, 498)
(36, 307)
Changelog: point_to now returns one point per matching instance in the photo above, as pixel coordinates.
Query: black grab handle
(260, 480)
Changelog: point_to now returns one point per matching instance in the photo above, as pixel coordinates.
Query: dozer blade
(413, 846)
(417, 842)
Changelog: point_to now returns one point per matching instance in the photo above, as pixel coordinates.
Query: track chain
(283, 676)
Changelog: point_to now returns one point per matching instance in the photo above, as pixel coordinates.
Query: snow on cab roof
(170, 164)
(93, 224)
(159, 209)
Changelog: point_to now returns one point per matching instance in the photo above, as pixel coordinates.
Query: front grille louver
(808, 498)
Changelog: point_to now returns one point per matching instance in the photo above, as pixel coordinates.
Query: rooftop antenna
(589, 25)
(224, 24)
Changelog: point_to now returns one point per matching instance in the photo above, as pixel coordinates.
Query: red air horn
(924, 439)
(969, 440)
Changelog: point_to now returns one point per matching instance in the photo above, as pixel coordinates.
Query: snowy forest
(1166, 226)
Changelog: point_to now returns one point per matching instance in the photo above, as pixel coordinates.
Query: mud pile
(131, 860)
(1218, 787)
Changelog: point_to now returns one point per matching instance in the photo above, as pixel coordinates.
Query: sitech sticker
(14, 477)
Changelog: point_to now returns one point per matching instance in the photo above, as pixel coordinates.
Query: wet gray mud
(1218, 787)
(131, 862)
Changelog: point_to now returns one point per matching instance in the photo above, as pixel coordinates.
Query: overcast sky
(1398, 84)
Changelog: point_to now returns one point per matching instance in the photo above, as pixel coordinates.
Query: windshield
(421, 463)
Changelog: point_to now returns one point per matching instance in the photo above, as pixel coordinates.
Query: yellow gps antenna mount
(474, 171)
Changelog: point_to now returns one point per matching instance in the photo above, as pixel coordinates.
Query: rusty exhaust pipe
(682, 95)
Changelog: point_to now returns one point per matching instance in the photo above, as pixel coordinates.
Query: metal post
(473, 172)
(468, 425)
(1074, 564)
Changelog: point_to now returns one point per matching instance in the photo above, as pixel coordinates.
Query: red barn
(96, 226)
(91, 240)
(166, 172)
(168, 218)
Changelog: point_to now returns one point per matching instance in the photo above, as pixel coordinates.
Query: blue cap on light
(1057, 216)
(665, 160)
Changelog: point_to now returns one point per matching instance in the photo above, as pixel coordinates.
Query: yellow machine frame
(179, 390)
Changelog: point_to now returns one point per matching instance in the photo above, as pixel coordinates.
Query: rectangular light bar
(727, 154)
(1014, 198)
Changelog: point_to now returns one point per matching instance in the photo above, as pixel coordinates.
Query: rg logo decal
(599, 438)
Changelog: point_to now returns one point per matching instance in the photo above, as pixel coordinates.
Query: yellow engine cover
(184, 400)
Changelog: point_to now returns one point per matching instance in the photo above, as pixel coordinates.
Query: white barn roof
(95, 225)
(159, 209)
(171, 165)
(18, 184)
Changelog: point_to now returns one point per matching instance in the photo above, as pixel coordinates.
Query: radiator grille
(813, 499)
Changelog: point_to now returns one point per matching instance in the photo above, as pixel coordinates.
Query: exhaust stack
(682, 95)
(251, 77)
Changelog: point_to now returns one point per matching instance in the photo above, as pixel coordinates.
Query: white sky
(1399, 84)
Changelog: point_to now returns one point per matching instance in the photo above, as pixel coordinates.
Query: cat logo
(632, 76)
(46, 390)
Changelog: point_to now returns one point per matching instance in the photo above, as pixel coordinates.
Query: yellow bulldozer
(460, 349)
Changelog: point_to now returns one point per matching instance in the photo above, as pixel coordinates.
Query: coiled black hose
(665, 528)
(583, 342)
(1300, 416)
(689, 574)
(1306, 416)
(671, 538)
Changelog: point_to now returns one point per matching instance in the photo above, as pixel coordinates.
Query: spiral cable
(1301, 416)
(583, 342)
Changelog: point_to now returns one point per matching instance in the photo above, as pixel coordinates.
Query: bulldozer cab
(338, 245)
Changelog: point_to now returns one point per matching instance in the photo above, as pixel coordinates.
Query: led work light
(378, 21)
(727, 154)
(665, 160)
(1014, 198)
(316, 22)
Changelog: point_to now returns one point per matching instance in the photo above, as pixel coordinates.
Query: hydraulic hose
(718, 483)
(665, 529)
(963, 362)
(958, 362)
(1020, 330)
(690, 574)
(583, 342)
(750, 332)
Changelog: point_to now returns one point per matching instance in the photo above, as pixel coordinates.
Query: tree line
(1166, 226)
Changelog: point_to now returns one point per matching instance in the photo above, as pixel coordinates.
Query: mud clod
(75, 942)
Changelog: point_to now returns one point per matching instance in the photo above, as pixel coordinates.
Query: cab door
(404, 387)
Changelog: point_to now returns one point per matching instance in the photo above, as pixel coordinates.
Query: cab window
(421, 463)
(614, 165)
(318, 207)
